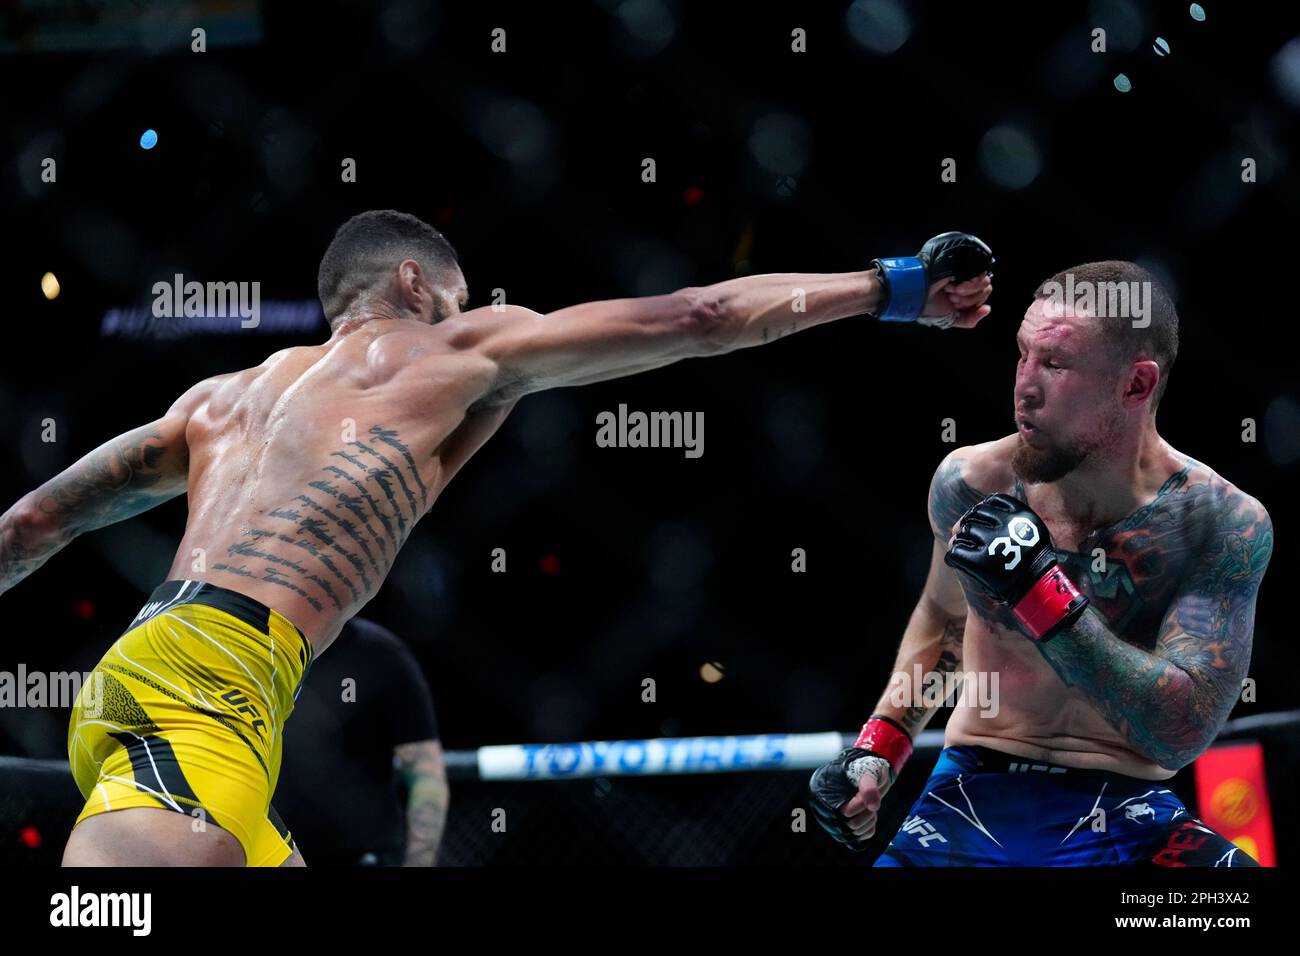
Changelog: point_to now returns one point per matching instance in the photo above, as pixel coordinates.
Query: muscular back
(307, 473)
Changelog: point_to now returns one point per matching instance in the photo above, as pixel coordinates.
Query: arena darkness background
(624, 563)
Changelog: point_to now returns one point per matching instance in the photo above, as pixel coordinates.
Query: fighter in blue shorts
(984, 808)
(1090, 606)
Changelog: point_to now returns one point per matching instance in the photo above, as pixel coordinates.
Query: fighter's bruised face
(1068, 395)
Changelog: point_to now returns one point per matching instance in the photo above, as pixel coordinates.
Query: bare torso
(308, 472)
(1129, 569)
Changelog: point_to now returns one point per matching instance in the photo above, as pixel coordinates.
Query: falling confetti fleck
(1122, 83)
(1198, 12)
(1161, 46)
(148, 139)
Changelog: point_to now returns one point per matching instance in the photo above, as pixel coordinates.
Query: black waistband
(253, 613)
(975, 759)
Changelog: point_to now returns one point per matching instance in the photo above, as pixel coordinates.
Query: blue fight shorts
(982, 807)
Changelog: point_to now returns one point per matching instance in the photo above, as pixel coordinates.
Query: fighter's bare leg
(143, 836)
(295, 859)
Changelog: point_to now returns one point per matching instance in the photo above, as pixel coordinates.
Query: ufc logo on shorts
(243, 705)
(923, 831)
(1026, 767)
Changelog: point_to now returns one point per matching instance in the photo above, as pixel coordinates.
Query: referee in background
(362, 780)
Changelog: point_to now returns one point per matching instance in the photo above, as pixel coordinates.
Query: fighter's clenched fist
(944, 284)
(846, 793)
(1005, 548)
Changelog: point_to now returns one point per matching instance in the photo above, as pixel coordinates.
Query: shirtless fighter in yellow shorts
(306, 474)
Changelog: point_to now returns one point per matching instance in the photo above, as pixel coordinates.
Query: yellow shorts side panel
(185, 713)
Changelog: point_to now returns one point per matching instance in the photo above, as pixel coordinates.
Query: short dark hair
(369, 245)
(1157, 341)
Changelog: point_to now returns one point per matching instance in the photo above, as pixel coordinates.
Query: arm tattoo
(121, 478)
(116, 481)
(916, 716)
(950, 498)
(21, 552)
(1171, 703)
(421, 766)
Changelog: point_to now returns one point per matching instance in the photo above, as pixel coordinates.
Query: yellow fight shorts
(186, 712)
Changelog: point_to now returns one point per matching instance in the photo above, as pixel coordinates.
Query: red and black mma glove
(1008, 551)
(905, 281)
(835, 784)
